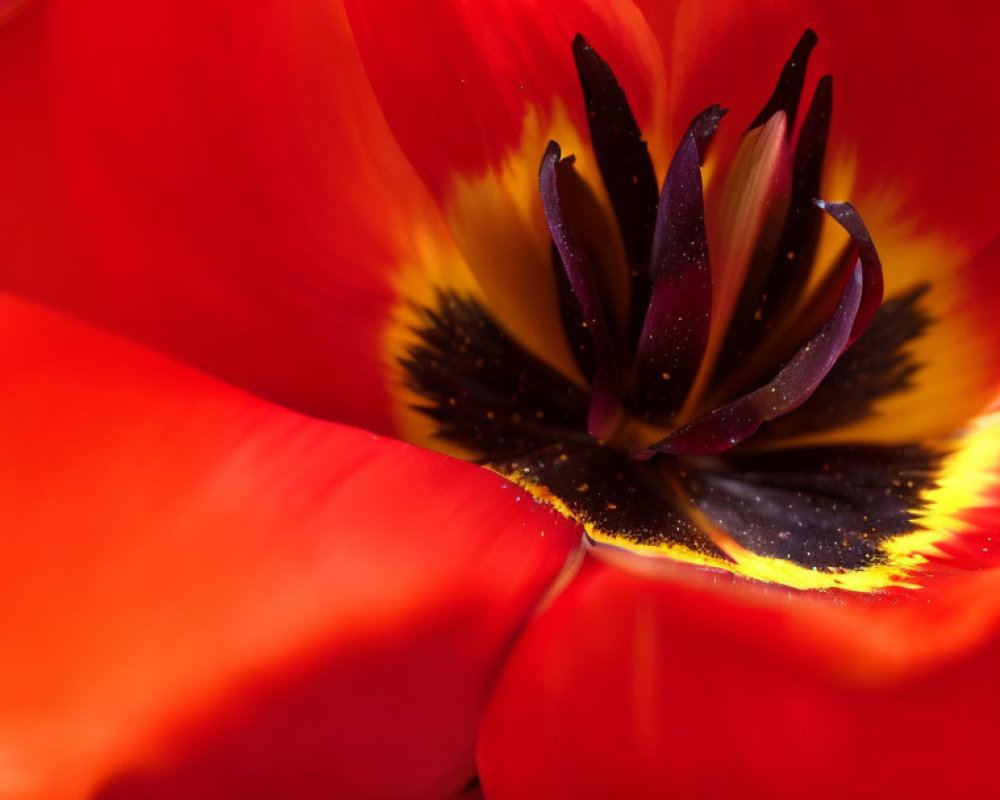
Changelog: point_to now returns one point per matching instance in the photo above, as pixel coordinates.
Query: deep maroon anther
(704, 126)
(675, 330)
(761, 310)
(568, 235)
(802, 227)
(731, 424)
(789, 89)
(580, 341)
(626, 169)
(849, 219)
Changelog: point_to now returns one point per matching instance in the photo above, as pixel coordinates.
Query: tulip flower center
(715, 343)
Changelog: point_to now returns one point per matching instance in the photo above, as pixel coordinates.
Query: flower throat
(703, 371)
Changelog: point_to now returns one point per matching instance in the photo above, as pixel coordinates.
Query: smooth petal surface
(456, 80)
(699, 686)
(203, 595)
(215, 180)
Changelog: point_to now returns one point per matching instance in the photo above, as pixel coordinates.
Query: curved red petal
(457, 80)
(981, 285)
(701, 686)
(198, 584)
(215, 180)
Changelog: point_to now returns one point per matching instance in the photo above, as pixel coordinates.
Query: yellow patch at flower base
(437, 262)
(954, 381)
(494, 248)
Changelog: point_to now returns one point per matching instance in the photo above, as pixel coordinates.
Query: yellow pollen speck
(563, 457)
(582, 487)
(665, 376)
(490, 415)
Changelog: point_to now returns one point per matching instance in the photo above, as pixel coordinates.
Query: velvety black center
(731, 464)
(823, 507)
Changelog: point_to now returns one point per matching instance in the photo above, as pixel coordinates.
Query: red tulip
(253, 254)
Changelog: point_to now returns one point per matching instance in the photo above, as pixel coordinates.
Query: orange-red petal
(202, 592)
(456, 80)
(695, 685)
(214, 179)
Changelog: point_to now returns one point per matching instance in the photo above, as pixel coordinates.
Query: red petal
(456, 80)
(234, 598)
(700, 686)
(216, 180)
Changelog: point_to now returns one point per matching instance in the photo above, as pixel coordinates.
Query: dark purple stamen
(849, 219)
(704, 126)
(801, 234)
(731, 424)
(673, 288)
(625, 165)
(789, 89)
(581, 343)
(769, 297)
(553, 176)
(675, 330)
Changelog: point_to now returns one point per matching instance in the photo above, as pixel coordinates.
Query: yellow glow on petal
(971, 471)
(499, 226)
(954, 382)
(495, 247)
(838, 184)
(736, 217)
(436, 264)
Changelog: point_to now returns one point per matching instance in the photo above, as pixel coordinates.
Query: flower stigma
(714, 342)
